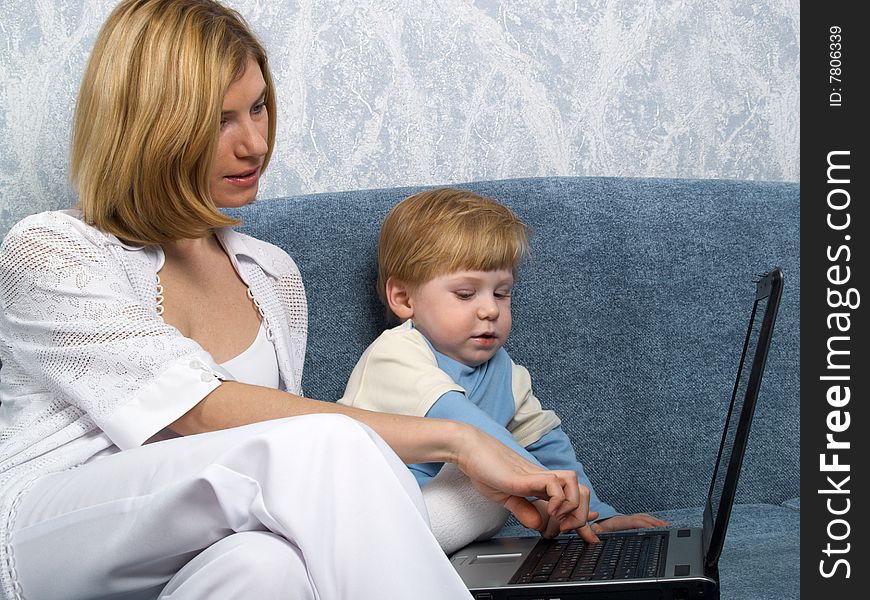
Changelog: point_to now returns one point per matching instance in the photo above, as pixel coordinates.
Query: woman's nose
(252, 140)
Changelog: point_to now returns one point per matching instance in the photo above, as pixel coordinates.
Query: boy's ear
(399, 299)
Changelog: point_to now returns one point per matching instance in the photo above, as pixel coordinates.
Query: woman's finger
(587, 533)
(573, 494)
(525, 512)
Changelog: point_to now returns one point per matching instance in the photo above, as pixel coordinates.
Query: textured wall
(390, 92)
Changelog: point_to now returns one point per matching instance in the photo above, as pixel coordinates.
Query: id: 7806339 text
(835, 65)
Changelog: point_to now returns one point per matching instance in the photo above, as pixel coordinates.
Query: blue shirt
(489, 405)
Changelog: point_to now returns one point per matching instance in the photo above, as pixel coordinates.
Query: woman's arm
(233, 404)
(497, 472)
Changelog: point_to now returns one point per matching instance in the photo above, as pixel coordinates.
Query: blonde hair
(442, 231)
(148, 114)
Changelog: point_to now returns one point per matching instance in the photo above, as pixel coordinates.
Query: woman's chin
(234, 198)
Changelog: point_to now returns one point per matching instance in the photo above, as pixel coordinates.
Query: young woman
(153, 440)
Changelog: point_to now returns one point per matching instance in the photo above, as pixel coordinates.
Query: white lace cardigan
(87, 361)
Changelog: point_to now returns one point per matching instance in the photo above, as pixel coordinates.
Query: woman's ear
(399, 299)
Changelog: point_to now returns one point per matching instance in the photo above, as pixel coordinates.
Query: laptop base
(486, 565)
(700, 588)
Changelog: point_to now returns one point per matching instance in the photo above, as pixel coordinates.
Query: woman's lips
(245, 179)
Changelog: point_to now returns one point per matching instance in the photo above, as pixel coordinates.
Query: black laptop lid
(723, 486)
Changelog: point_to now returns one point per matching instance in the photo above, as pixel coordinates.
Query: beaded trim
(269, 334)
(159, 297)
(10, 555)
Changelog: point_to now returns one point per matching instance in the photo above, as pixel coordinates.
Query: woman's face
(243, 140)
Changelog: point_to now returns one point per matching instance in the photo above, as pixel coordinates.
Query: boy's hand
(621, 522)
(552, 526)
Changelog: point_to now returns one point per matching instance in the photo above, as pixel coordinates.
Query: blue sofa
(630, 317)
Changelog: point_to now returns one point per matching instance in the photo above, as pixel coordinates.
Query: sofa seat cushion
(762, 549)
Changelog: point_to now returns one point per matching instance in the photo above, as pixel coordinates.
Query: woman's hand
(552, 527)
(508, 479)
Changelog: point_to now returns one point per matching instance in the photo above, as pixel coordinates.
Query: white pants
(457, 512)
(307, 507)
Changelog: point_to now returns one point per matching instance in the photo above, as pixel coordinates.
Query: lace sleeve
(295, 310)
(80, 315)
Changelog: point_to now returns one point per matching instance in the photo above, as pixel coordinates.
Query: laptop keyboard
(618, 556)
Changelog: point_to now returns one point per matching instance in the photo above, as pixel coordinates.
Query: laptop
(667, 563)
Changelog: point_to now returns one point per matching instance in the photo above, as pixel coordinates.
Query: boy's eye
(502, 292)
(464, 294)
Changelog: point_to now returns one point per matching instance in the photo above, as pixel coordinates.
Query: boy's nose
(487, 309)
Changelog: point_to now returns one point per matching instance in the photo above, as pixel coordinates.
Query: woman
(152, 358)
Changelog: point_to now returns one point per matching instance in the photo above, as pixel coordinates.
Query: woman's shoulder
(56, 230)
(51, 248)
(46, 219)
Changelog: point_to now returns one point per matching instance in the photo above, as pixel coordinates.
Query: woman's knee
(262, 553)
(250, 564)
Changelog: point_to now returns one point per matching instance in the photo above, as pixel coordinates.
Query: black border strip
(834, 264)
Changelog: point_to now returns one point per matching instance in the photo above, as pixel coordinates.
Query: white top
(88, 363)
(257, 364)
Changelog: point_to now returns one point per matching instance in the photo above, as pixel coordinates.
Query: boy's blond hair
(148, 114)
(441, 231)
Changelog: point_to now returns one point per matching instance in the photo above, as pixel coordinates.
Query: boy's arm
(457, 407)
(530, 421)
(553, 450)
(398, 374)
(540, 431)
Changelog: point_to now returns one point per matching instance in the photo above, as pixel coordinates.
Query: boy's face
(466, 314)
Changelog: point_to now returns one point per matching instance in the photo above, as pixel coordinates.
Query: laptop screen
(723, 486)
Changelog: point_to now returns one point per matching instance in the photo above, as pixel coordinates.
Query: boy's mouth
(485, 338)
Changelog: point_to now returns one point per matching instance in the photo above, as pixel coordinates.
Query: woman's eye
(258, 108)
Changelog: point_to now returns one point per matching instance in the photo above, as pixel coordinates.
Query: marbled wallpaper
(386, 92)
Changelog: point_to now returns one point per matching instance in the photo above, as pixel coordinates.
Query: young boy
(447, 260)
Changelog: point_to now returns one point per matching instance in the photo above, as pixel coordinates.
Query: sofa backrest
(630, 317)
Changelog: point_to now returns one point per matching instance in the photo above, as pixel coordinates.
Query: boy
(447, 260)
